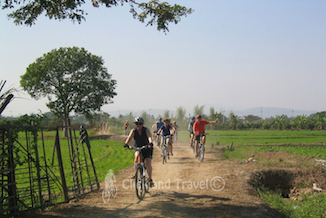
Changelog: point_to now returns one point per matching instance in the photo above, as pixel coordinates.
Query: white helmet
(138, 120)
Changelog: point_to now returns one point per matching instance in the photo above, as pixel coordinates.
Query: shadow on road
(172, 204)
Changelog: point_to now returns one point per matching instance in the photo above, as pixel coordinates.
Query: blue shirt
(159, 125)
(166, 131)
(191, 125)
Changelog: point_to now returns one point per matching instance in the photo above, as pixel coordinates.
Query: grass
(247, 142)
(303, 143)
(309, 206)
(264, 137)
(106, 155)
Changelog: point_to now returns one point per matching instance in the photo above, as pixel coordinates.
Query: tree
(166, 113)
(180, 114)
(252, 118)
(5, 96)
(233, 120)
(145, 116)
(301, 121)
(279, 122)
(199, 110)
(160, 14)
(72, 79)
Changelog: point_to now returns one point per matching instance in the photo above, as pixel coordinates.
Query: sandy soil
(184, 187)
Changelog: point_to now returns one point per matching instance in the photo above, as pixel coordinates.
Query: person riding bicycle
(190, 129)
(126, 125)
(176, 130)
(158, 124)
(166, 130)
(199, 130)
(142, 136)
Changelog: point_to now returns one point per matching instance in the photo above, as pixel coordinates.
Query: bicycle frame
(201, 149)
(141, 183)
(164, 148)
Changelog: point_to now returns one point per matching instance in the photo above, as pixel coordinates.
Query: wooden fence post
(62, 173)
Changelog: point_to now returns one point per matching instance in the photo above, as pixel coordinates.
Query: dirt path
(184, 187)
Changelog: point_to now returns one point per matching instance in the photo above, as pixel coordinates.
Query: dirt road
(184, 187)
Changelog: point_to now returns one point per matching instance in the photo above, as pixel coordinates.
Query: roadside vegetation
(276, 147)
(283, 166)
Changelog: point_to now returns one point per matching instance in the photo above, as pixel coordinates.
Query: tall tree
(180, 114)
(153, 12)
(72, 79)
(233, 119)
(212, 114)
(145, 116)
(166, 113)
(199, 110)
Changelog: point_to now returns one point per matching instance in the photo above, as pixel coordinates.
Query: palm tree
(5, 97)
(233, 120)
(301, 121)
(279, 121)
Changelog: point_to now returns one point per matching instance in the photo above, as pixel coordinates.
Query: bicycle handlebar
(139, 148)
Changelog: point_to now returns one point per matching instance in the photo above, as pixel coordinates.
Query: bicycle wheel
(113, 191)
(146, 182)
(202, 151)
(139, 184)
(164, 153)
(168, 151)
(106, 194)
(159, 141)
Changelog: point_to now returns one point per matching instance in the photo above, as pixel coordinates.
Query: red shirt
(199, 128)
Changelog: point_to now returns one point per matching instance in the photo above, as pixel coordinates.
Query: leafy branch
(160, 14)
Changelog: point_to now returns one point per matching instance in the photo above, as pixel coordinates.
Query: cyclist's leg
(204, 139)
(148, 163)
(136, 155)
(171, 144)
(191, 137)
(196, 143)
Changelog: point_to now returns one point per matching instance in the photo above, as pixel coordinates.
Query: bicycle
(142, 182)
(107, 193)
(159, 140)
(192, 145)
(165, 152)
(175, 138)
(201, 149)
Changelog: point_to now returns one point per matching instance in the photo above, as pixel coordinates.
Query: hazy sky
(228, 54)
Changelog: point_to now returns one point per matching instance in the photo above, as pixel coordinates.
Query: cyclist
(190, 129)
(154, 130)
(176, 129)
(159, 124)
(199, 130)
(126, 127)
(142, 136)
(166, 130)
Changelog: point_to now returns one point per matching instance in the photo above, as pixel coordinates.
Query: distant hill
(272, 112)
(265, 112)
